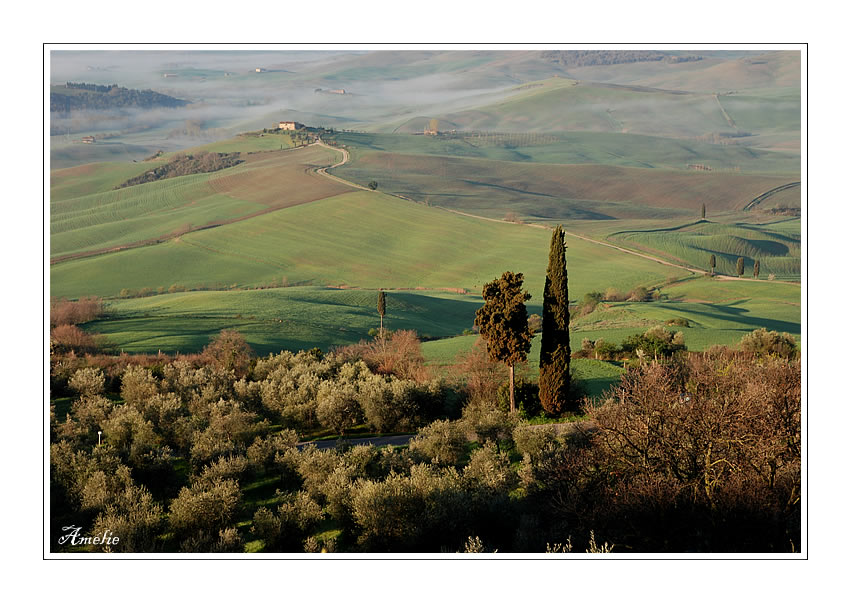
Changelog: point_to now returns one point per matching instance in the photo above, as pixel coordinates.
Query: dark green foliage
(94, 97)
(526, 398)
(712, 264)
(703, 211)
(763, 342)
(382, 303)
(504, 323)
(740, 266)
(184, 165)
(756, 269)
(554, 377)
(372, 185)
(656, 342)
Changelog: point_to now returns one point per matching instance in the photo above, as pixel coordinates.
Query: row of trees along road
(503, 322)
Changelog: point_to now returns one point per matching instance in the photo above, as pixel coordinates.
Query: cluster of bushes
(701, 455)
(65, 315)
(591, 300)
(184, 165)
(165, 455)
(657, 342)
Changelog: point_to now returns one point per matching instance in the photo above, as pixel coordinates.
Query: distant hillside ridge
(585, 58)
(94, 97)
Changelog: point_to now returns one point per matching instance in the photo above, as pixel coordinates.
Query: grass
(537, 191)
(719, 313)
(360, 239)
(575, 148)
(293, 318)
(560, 104)
(779, 251)
(111, 218)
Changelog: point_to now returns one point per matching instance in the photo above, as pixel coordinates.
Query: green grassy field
(360, 239)
(107, 218)
(561, 104)
(293, 318)
(602, 148)
(536, 191)
(778, 250)
(720, 312)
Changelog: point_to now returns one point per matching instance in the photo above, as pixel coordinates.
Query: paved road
(574, 428)
(396, 440)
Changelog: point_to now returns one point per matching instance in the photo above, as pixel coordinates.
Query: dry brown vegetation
(70, 312)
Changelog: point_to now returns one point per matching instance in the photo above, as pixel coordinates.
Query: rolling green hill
(557, 192)
(779, 253)
(359, 239)
(156, 210)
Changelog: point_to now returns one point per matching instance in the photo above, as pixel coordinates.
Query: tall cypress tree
(740, 266)
(382, 306)
(554, 376)
(756, 269)
(712, 264)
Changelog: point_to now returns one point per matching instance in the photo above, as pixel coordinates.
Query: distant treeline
(584, 58)
(184, 165)
(95, 97)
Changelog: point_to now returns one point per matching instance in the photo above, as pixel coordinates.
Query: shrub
(614, 295)
(337, 405)
(204, 506)
(88, 381)
(442, 442)
(64, 312)
(678, 322)
(639, 294)
(229, 351)
(656, 341)
(525, 397)
(763, 342)
(67, 338)
(534, 440)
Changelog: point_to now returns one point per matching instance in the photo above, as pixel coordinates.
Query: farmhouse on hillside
(88, 139)
(290, 125)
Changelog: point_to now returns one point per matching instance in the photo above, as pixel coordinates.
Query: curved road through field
(345, 160)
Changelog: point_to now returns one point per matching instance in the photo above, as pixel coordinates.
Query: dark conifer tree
(554, 376)
(712, 264)
(740, 266)
(703, 211)
(504, 323)
(756, 269)
(382, 307)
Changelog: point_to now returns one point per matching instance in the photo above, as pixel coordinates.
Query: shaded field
(272, 320)
(779, 251)
(153, 210)
(546, 191)
(604, 148)
(359, 239)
